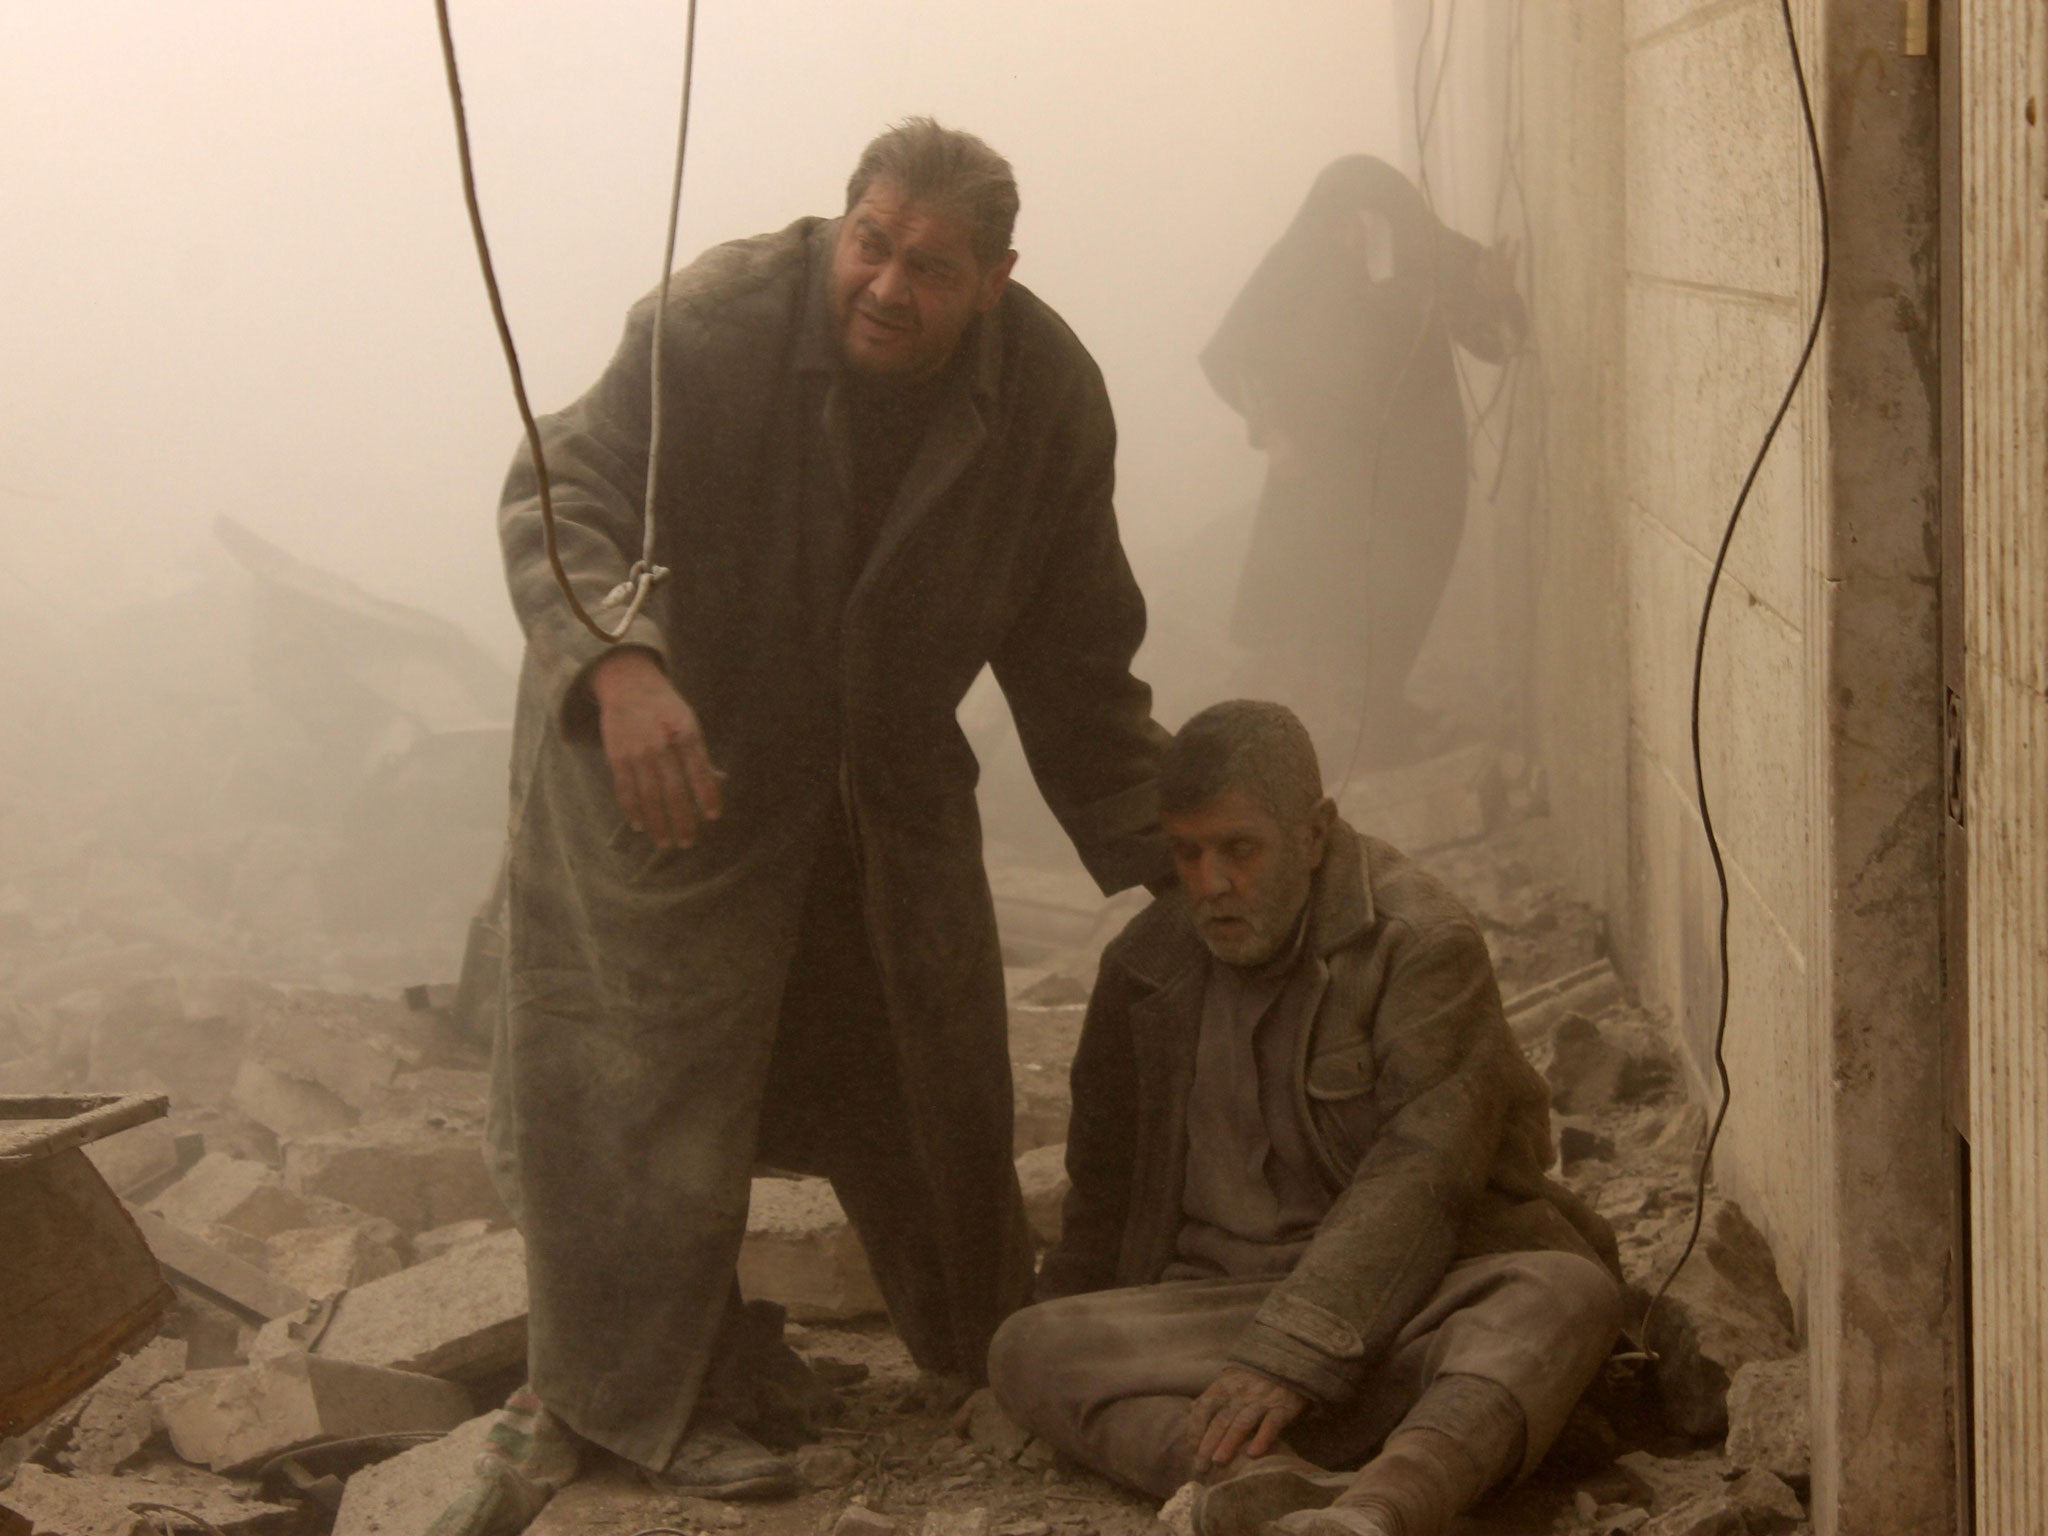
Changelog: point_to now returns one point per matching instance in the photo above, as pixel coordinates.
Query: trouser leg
(1537, 1324)
(1108, 1377)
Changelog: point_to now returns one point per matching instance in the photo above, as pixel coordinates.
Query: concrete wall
(1676, 135)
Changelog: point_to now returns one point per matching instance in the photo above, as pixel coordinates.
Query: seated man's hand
(1242, 1411)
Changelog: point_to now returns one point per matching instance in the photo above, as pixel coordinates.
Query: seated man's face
(1247, 874)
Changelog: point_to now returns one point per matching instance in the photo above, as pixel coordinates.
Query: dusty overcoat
(1431, 1129)
(644, 988)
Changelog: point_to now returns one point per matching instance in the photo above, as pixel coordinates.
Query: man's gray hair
(1248, 744)
(947, 169)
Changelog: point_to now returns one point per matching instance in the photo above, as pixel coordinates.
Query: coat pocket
(1343, 1073)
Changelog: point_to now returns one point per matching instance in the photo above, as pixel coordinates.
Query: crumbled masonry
(328, 1145)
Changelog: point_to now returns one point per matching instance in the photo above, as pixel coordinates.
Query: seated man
(1308, 1191)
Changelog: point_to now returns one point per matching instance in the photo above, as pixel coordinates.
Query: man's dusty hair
(1248, 744)
(947, 169)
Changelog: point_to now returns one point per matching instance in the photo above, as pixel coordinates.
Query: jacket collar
(1340, 910)
(817, 349)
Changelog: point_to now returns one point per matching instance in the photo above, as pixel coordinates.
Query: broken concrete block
(1055, 991)
(290, 1107)
(1043, 1108)
(225, 1191)
(827, 1466)
(185, 1035)
(152, 1154)
(1425, 805)
(1037, 1455)
(322, 1261)
(1770, 1420)
(1592, 1068)
(222, 1277)
(1576, 1144)
(85, 1504)
(801, 1252)
(1710, 1514)
(448, 1098)
(436, 1241)
(212, 1335)
(1042, 1174)
(993, 1431)
(1664, 1483)
(404, 1494)
(1725, 1310)
(1769, 1506)
(956, 1522)
(417, 1178)
(462, 1315)
(353, 1047)
(243, 1417)
(859, 1520)
(116, 1419)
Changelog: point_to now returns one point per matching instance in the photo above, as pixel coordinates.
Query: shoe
(498, 1503)
(718, 1461)
(1262, 1490)
(528, 1457)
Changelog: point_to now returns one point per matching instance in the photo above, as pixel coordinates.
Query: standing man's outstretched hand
(661, 770)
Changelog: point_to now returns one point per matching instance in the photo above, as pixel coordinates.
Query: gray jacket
(1431, 1128)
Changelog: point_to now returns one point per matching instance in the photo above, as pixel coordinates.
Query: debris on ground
(349, 1285)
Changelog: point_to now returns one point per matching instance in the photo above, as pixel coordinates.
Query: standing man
(747, 912)
(1308, 1193)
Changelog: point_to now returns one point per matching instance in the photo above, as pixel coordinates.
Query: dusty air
(929, 770)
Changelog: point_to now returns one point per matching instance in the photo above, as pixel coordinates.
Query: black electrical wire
(1699, 658)
(633, 592)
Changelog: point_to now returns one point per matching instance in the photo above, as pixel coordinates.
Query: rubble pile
(351, 1291)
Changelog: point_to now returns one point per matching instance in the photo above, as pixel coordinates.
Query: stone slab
(242, 1417)
(801, 1252)
(462, 1315)
(401, 1497)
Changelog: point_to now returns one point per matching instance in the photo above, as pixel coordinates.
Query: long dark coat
(1431, 1129)
(644, 989)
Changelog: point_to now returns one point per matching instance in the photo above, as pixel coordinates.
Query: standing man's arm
(1065, 667)
(596, 453)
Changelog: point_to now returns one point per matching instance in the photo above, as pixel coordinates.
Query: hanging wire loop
(645, 574)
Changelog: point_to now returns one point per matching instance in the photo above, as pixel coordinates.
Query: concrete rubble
(462, 1315)
(401, 1496)
(345, 1267)
(1770, 1419)
(243, 1416)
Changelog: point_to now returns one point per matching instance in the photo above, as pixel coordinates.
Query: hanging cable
(1699, 660)
(644, 574)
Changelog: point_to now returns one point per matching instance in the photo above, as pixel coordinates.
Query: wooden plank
(35, 1126)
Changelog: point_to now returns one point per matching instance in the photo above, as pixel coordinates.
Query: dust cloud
(254, 645)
